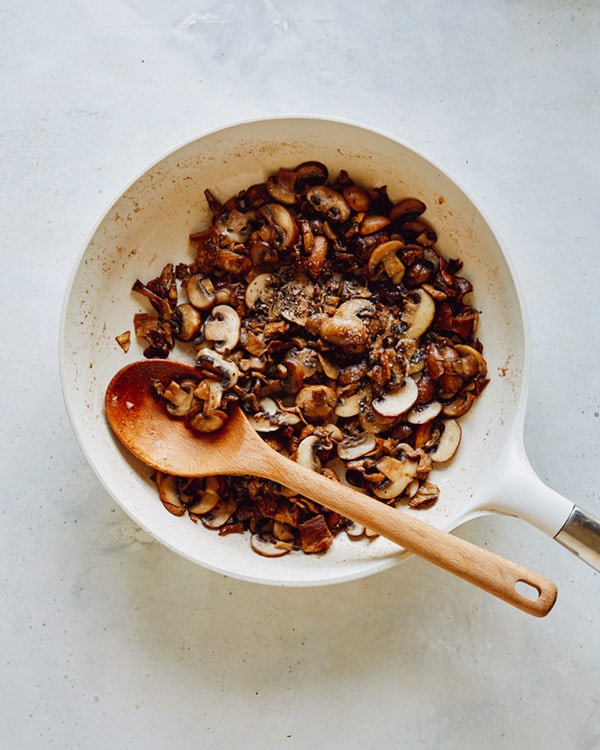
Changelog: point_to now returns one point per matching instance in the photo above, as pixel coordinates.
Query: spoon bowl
(143, 425)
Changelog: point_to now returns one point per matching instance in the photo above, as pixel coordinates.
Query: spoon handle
(478, 566)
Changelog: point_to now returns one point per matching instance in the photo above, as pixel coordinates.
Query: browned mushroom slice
(233, 225)
(373, 223)
(385, 256)
(352, 400)
(169, 494)
(357, 198)
(268, 546)
(418, 313)
(398, 473)
(426, 495)
(311, 173)
(206, 499)
(317, 256)
(465, 351)
(261, 289)
(205, 421)
(306, 453)
(210, 392)
(282, 186)
(419, 232)
(179, 397)
(161, 304)
(356, 446)
(406, 209)
(214, 363)
(284, 229)
(222, 328)
(200, 291)
(220, 514)
(422, 413)
(270, 416)
(396, 402)
(448, 442)
(316, 402)
(459, 405)
(187, 321)
(327, 201)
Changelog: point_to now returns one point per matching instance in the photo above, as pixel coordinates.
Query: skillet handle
(581, 535)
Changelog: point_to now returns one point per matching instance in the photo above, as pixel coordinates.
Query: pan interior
(149, 225)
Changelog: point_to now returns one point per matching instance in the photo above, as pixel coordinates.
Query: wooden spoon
(142, 424)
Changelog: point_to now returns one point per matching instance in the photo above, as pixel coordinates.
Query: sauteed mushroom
(325, 310)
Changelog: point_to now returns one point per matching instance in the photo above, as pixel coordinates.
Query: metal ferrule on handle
(581, 535)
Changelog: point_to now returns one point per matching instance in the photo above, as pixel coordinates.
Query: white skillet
(149, 225)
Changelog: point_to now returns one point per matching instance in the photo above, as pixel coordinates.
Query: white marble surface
(109, 640)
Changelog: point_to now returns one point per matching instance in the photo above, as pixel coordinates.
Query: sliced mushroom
(327, 201)
(463, 350)
(371, 421)
(394, 403)
(351, 402)
(268, 547)
(354, 447)
(210, 392)
(418, 313)
(179, 397)
(317, 256)
(311, 173)
(398, 474)
(282, 186)
(373, 223)
(448, 442)
(223, 327)
(355, 307)
(406, 209)
(169, 494)
(357, 198)
(426, 495)
(205, 421)
(330, 369)
(385, 256)
(284, 229)
(355, 530)
(220, 514)
(316, 402)
(261, 289)
(232, 224)
(188, 321)
(305, 453)
(422, 413)
(206, 499)
(329, 432)
(200, 291)
(459, 405)
(270, 416)
(215, 364)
